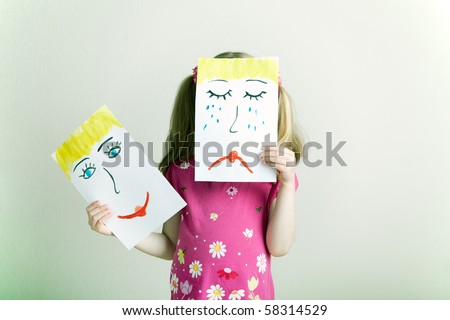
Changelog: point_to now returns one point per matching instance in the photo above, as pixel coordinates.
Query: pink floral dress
(221, 251)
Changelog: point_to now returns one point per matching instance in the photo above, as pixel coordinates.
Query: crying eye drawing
(257, 96)
(224, 96)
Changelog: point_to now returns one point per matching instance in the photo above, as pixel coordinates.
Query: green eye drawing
(88, 171)
(251, 96)
(224, 96)
(113, 150)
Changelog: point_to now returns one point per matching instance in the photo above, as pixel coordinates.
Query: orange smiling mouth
(139, 211)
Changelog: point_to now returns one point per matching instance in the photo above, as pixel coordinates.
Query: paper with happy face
(102, 165)
(236, 113)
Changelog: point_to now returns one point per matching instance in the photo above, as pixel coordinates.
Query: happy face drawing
(99, 164)
(236, 107)
(92, 159)
(104, 166)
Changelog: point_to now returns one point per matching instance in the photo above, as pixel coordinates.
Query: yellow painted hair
(81, 141)
(230, 69)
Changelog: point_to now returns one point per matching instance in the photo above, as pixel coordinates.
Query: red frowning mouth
(232, 157)
(139, 211)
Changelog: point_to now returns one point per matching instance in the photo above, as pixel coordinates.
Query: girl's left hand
(283, 160)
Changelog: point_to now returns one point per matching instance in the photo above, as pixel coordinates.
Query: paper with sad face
(236, 113)
(99, 165)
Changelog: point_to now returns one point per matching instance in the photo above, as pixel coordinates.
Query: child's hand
(283, 160)
(97, 215)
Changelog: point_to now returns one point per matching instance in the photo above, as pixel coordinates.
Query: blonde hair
(288, 128)
(180, 139)
(81, 141)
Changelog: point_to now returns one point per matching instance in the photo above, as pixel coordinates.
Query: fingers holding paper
(281, 159)
(97, 215)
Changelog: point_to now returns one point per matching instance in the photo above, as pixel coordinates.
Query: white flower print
(261, 262)
(195, 268)
(232, 191)
(213, 216)
(184, 165)
(174, 283)
(217, 249)
(248, 233)
(236, 295)
(215, 292)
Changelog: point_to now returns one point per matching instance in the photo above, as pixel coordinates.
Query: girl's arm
(161, 245)
(281, 226)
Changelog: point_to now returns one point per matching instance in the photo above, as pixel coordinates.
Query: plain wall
(373, 73)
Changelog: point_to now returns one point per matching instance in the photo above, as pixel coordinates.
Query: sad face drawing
(242, 108)
(236, 107)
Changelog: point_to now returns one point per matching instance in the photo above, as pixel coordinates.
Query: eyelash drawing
(251, 96)
(224, 96)
(113, 149)
(88, 171)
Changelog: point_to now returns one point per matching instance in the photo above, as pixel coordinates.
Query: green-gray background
(374, 73)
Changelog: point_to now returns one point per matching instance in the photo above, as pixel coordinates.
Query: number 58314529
(291, 310)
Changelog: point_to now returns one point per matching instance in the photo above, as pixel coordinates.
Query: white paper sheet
(118, 174)
(236, 114)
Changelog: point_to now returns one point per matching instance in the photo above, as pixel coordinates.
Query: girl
(221, 243)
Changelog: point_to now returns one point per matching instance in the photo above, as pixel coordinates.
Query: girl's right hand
(97, 215)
